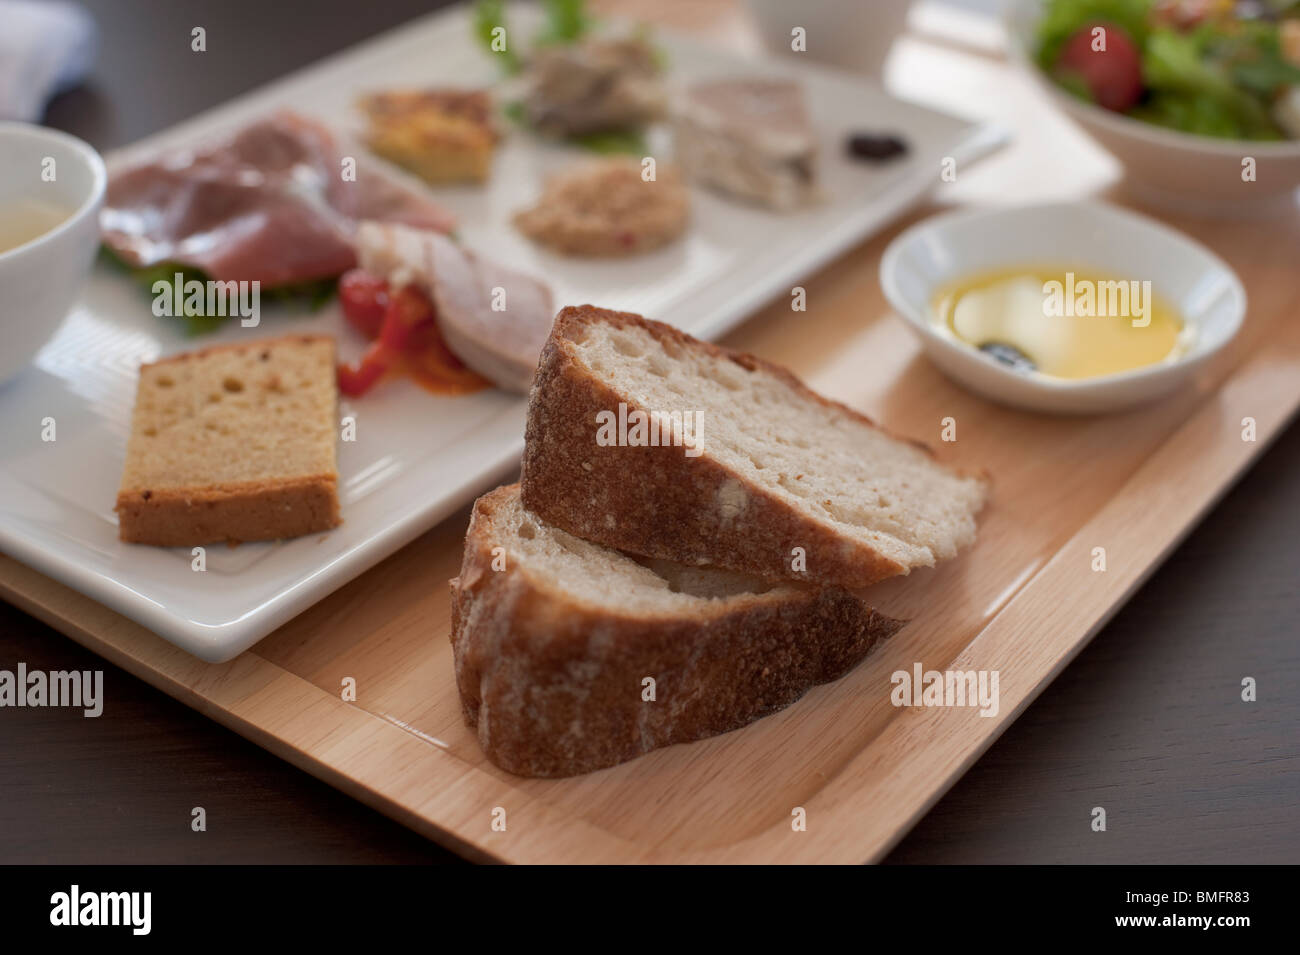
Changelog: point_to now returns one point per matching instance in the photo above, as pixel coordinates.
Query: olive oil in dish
(1061, 322)
(24, 220)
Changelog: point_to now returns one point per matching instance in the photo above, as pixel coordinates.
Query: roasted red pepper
(365, 300)
(404, 328)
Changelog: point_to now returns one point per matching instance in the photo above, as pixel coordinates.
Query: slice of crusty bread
(554, 638)
(233, 443)
(786, 484)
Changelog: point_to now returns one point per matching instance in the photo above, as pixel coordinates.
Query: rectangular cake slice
(233, 443)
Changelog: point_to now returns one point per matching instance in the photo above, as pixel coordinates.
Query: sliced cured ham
(493, 318)
(267, 203)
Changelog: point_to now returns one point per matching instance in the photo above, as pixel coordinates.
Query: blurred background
(145, 77)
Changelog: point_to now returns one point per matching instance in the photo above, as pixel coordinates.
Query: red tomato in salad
(365, 300)
(1108, 63)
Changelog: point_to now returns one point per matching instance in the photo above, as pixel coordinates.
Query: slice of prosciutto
(493, 318)
(267, 203)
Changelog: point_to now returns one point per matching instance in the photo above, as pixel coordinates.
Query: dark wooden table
(1147, 722)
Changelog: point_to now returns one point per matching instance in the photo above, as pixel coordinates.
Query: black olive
(876, 146)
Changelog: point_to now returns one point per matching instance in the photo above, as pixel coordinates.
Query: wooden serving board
(1022, 602)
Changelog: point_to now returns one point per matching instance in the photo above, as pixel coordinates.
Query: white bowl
(1097, 237)
(853, 36)
(40, 279)
(1199, 173)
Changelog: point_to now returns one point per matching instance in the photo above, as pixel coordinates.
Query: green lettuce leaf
(312, 294)
(486, 16)
(1188, 83)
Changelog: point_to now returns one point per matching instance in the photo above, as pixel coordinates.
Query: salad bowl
(1168, 165)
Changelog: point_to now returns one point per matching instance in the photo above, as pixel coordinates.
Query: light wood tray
(1023, 601)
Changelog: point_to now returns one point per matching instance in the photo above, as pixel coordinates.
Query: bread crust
(262, 344)
(654, 500)
(248, 511)
(554, 687)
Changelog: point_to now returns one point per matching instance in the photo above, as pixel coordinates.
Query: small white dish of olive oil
(51, 188)
(1069, 307)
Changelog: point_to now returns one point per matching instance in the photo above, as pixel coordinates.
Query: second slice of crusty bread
(786, 484)
(233, 443)
(555, 637)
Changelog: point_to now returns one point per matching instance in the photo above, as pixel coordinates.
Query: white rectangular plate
(417, 457)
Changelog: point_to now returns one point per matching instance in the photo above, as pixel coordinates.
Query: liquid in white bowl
(24, 220)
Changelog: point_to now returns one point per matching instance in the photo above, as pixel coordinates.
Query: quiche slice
(441, 135)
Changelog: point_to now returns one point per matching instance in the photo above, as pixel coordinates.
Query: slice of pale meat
(493, 318)
(768, 114)
(750, 138)
(266, 203)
